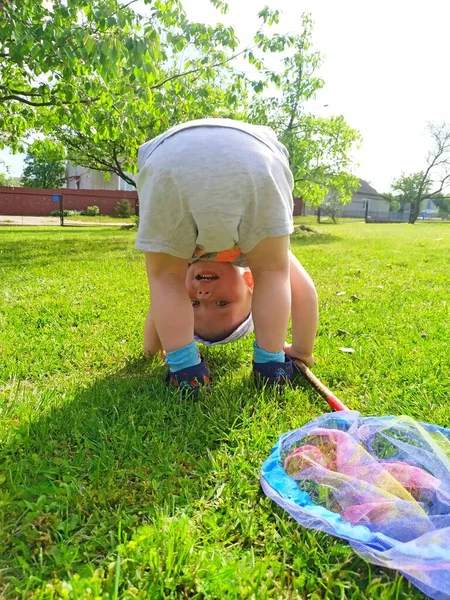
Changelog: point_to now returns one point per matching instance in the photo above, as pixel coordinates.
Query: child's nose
(202, 294)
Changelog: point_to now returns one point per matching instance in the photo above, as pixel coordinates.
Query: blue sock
(183, 358)
(261, 356)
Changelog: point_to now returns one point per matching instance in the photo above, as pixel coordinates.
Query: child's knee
(160, 264)
(271, 254)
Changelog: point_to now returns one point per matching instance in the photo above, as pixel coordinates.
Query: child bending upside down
(215, 217)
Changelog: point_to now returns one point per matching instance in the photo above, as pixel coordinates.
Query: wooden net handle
(326, 393)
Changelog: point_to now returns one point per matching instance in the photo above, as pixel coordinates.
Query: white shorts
(212, 188)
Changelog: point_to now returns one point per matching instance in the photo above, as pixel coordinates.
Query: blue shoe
(274, 373)
(191, 379)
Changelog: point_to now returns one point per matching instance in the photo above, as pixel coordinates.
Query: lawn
(111, 486)
(100, 219)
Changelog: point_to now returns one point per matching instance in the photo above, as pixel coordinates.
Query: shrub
(57, 213)
(92, 211)
(332, 207)
(123, 209)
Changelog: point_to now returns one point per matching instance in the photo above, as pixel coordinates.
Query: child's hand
(290, 351)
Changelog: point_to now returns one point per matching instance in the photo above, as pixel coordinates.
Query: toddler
(215, 218)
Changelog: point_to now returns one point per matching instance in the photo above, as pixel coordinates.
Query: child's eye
(195, 303)
(222, 303)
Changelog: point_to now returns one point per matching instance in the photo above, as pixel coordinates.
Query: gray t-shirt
(213, 185)
(264, 134)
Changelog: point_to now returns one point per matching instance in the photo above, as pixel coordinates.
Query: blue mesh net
(382, 483)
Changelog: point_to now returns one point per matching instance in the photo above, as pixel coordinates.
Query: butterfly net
(383, 484)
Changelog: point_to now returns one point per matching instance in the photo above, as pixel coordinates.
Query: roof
(366, 189)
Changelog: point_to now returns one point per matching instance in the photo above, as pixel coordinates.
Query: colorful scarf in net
(382, 483)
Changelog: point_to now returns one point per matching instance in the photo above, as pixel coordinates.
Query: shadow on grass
(126, 451)
(118, 453)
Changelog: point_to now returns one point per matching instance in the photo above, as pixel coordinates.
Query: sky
(386, 70)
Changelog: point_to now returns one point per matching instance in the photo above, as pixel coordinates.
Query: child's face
(221, 295)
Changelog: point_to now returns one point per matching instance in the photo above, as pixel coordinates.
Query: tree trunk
(414, 211)
(318, 215)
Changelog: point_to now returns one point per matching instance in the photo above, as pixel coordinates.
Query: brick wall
(299, 207)
(36, 202)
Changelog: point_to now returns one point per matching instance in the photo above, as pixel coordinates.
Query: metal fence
(65, 207)
(68, 221)
(387, 217)
(361, 210)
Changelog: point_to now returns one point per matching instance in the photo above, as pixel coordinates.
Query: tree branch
(297, 100)
(25, 101)
(95, 160)
(197, 70)
(438, 154)
(50, 103)
(312, 180)
(98, 164)
(442, 185)
(129, 4)
(21, 93)
(120, 171)
(440, 150)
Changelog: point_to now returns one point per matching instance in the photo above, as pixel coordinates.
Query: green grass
(111, 486)
(100, 219)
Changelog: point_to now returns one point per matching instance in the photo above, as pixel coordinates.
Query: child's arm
(152, 343)
(305, 314)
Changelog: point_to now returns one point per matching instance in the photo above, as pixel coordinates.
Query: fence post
(61, 209)
(366, 214)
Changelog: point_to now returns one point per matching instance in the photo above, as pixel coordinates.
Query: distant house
(82, 178)
(356, 208)
(428, 209)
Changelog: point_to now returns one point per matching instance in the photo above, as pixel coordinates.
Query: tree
(115, 78)
(5, 178)
(443, 205)
(407, 187)
(111, 136)
(396, 201)
(45, 165)
(331, 206)
(63, 55)
(417, 187)
(320, 148)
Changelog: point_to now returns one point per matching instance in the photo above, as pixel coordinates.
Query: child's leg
(171, 307)
(271, 305)
(173, 318)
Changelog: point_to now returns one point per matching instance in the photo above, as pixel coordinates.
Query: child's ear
(248, 278)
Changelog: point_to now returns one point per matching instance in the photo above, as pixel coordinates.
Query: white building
(365, 198)
(82, 178)
(363, 195)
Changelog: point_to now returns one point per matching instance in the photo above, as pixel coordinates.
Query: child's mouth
(206, 277)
